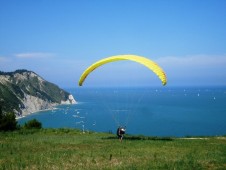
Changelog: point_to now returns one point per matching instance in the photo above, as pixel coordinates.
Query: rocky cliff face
(24, 92)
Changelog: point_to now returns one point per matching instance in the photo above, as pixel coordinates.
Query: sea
(149, 111)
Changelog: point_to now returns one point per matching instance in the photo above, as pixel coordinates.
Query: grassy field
(71, 149)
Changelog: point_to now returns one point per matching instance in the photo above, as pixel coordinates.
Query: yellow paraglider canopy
(142, 60)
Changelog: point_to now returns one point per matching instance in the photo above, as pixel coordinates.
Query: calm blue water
(148, 111)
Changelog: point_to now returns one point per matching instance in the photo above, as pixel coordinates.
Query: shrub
(33, 124)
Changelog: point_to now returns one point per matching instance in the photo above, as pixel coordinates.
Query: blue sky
(59, 39)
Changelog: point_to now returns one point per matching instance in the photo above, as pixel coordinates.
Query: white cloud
(35, 55)
(193, 61)
(197, 69)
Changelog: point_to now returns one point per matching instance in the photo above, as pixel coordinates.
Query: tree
(33, 124)
(8, 122)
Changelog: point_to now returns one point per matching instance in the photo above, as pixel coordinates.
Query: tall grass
(71, 149)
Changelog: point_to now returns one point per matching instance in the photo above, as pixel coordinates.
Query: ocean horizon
(150, 111)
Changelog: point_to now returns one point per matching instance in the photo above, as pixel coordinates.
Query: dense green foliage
(7, 121)
(72, 149)
(33, 124)
(10, 101)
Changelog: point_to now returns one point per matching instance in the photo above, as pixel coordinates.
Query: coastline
(42, 110)
(20, 117)
(35, 105)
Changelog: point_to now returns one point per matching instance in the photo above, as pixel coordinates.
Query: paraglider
(151, 65)
(142, 60)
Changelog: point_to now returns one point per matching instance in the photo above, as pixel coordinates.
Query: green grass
(71, 149)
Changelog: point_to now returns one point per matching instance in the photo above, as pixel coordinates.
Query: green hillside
(15, 85)
(71, 149)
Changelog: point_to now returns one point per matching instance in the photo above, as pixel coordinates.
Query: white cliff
(34, 104)
(70, 100)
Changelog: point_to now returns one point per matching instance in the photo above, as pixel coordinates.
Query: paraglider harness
(120, 132)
